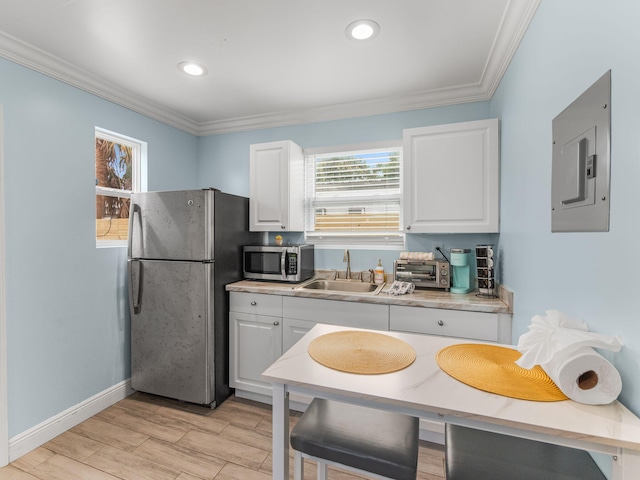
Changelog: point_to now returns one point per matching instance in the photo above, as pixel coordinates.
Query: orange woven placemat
(493, 369)
(361, 352)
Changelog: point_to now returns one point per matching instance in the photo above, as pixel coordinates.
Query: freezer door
(172, 329)
(174, 225)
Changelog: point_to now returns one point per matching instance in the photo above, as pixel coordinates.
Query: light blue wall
(67, 318)
(223, 162)
(591, 276)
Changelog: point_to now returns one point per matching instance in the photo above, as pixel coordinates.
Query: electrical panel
(580, 171)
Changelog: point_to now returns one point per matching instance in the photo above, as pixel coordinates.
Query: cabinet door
(255, 342)
(276, 200)
(451, 178)
(293, 330)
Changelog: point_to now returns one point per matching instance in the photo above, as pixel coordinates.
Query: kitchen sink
(343, 286)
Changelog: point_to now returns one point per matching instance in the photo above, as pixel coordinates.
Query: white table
(423, 390)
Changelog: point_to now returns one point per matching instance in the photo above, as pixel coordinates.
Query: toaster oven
(423, 273)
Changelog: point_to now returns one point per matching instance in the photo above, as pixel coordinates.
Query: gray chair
(368, 441)
(478, 455)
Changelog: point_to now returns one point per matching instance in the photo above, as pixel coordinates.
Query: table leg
(280, 415)
(626, 466)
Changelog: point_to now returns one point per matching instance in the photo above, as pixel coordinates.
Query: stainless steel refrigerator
(184, 247)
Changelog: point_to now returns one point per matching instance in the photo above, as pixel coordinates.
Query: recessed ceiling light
(193, 69)
(362, 30)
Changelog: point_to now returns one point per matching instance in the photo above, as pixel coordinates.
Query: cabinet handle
(276, 323)
(441, 323)
(282, 227)
(408, 227)
(253, 303)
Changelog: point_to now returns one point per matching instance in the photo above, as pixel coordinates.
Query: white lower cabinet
(492, 327)
(293, 330)
(262, 327)
(301, 314)
(255, 339)
(255, 342)
(333, 313)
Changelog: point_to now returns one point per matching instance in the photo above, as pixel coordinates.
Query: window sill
(111, 243)
(391, 242)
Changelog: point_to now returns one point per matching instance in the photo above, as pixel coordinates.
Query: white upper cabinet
(451, 178)
(276, 202)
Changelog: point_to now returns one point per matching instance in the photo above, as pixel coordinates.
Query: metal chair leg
(322, 471)
(298, 466)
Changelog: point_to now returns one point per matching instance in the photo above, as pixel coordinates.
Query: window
(354, 197)
(118, 166)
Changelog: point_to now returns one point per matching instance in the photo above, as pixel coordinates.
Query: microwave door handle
(283, 260)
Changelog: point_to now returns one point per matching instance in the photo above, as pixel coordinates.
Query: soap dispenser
(379, 273)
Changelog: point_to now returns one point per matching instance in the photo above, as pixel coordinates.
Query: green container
(462, 271)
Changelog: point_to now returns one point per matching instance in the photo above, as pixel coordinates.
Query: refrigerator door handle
(134, 208)
(135, 293)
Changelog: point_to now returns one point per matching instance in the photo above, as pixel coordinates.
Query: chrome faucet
(347, 258)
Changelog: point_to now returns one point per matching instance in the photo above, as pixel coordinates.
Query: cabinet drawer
(333, 312)
(449, 323)
(255, 303)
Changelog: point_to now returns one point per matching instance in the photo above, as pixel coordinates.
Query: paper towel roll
(585, 376)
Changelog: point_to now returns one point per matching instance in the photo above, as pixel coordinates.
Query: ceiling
(270, 62)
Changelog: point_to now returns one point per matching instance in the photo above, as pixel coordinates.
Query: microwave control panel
(292, 264)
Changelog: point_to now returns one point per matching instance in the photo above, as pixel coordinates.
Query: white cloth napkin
(555, 333)
(401, 288)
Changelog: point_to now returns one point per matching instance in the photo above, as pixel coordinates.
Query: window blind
(354, 194)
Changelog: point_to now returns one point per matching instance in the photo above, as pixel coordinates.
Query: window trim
(138, 174)
(384, 144)
(354, 240)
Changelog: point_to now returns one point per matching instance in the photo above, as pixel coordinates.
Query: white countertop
(425, 389)
(420, 298)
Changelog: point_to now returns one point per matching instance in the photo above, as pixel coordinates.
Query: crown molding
(36, 59)
(513, 26)
(414, 101)
(515, 22)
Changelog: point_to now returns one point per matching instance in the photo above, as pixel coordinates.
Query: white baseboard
(54, 426)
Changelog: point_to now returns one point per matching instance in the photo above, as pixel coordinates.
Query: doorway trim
(4, 417)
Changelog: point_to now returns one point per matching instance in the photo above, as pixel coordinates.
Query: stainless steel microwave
(291, 263)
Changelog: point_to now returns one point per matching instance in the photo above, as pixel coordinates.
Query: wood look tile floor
(148, 437)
